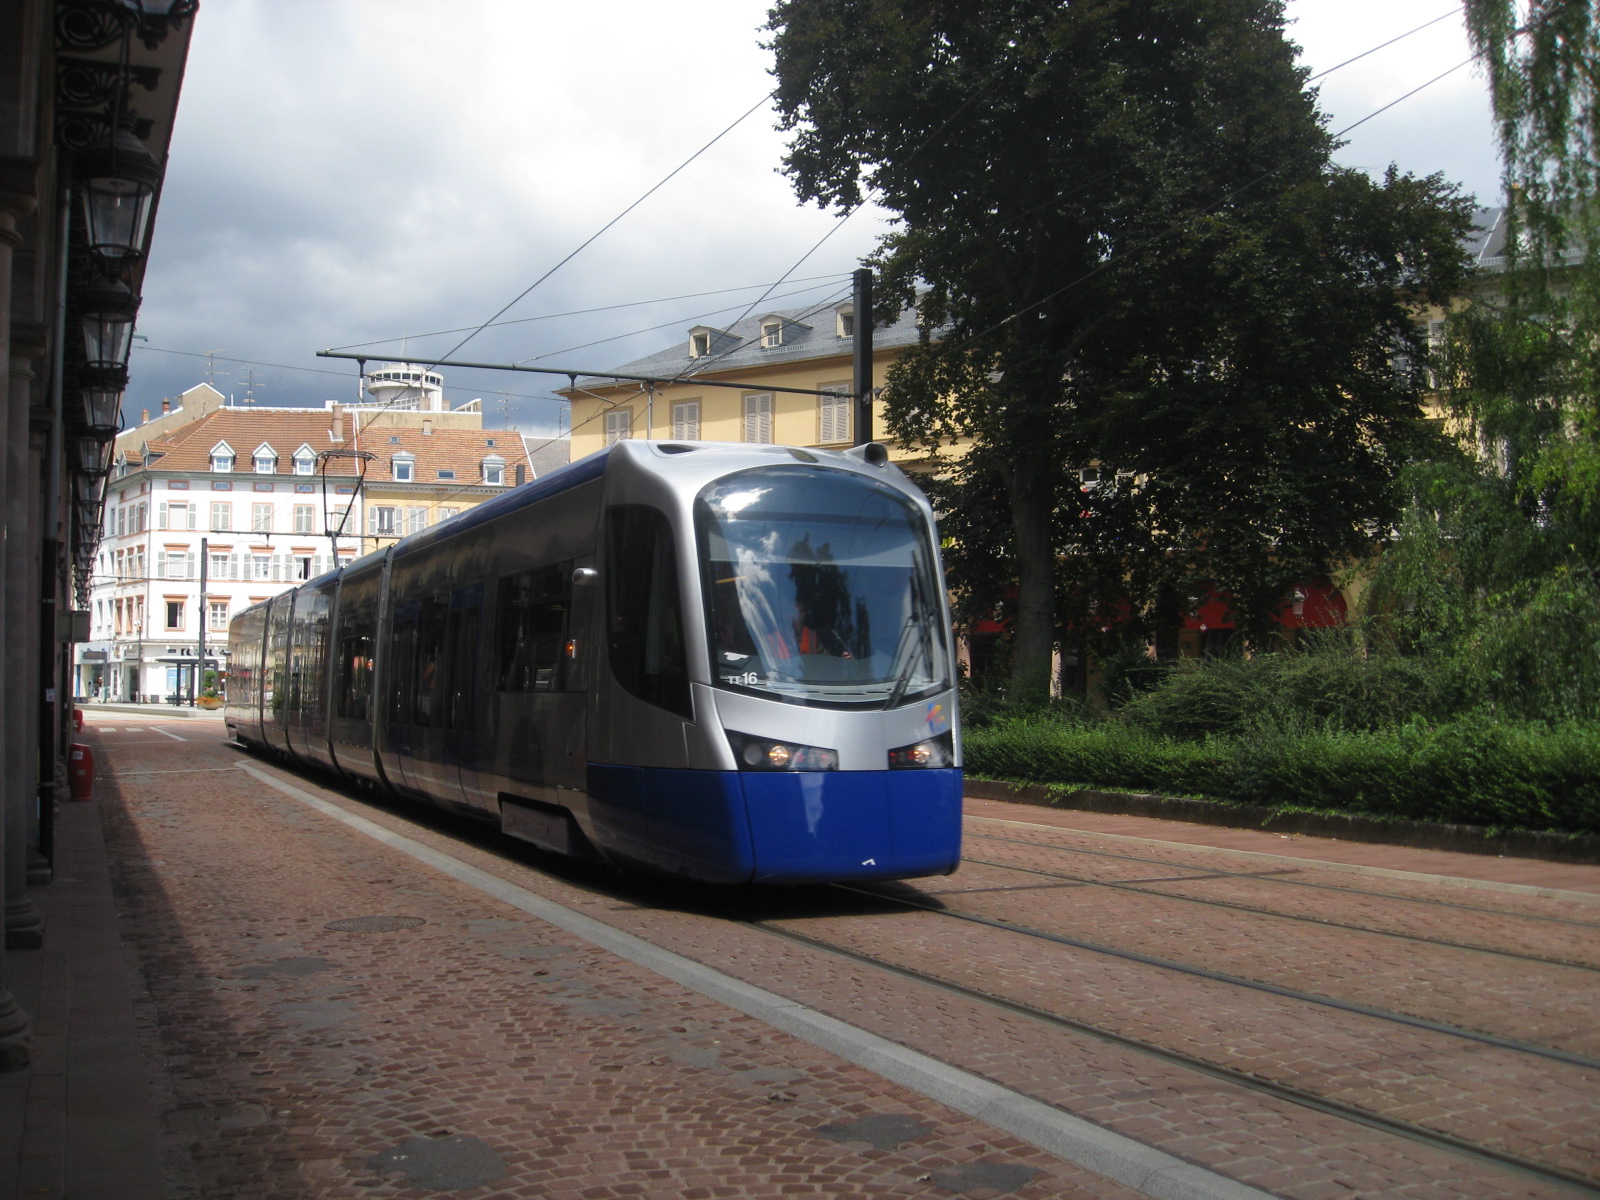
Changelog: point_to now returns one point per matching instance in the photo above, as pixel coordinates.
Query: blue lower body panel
(779, 826)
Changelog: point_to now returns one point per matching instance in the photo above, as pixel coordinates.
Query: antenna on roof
(249, 385)
(211, 366)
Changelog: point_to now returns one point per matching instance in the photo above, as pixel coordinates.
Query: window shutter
(758, 417)
(834, 426)
(161, 515)
(161, 564)
(277, 569)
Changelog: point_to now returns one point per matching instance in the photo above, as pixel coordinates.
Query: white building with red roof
(211, 507)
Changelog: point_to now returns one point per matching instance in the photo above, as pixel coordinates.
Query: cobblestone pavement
(335, 1019)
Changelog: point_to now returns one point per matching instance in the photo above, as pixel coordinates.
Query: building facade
(755, 381)
(88, 101)
(210, 508)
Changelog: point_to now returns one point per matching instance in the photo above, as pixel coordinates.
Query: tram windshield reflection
(821, 589)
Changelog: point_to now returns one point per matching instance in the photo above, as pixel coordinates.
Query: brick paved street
(324, 1015)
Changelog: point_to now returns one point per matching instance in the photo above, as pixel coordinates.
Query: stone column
(24, 453)
(14, 1044)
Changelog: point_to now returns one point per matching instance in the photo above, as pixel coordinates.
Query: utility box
(80, 771)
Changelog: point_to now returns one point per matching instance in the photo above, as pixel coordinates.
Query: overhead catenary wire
(583, 312)
(696, 368)
(701, 365)
(820, 280)
(654, 188)
(710, 361)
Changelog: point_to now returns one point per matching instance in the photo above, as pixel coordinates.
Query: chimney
(337, 433)
(427, 429)
(144, 416)
(166, 407)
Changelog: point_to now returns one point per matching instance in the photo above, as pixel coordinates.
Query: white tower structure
(405, 387)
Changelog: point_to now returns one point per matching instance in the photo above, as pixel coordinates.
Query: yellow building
(755, 381)
(419, 475)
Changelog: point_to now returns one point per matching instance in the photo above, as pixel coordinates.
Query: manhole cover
(374, 924)
(881, 1131)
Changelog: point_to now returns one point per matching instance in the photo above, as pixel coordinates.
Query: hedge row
(1473, 771)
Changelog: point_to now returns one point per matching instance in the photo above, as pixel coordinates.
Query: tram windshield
(821, 589)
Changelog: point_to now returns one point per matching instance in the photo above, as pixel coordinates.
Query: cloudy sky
(380, 173)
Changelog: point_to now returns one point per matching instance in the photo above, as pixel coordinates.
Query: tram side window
(403, 656)
(461, 662)
(532, 629)
(431, 618)
(644, 612)
(353, 694)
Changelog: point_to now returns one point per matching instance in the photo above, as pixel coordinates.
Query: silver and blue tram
(730, 663)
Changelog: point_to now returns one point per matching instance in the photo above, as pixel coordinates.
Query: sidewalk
(80, 1122)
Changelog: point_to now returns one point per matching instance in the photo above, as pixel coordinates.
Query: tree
(1527, 361)
(1544, 73)
(1129, 251)
(1497, 565)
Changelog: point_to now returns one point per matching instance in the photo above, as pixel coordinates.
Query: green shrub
(1332, 684)
(1473, 771)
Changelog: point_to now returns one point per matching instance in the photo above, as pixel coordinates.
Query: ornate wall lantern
(107, 307)
(102, 409)
(91, 491)
(94, 456)
(119, 178)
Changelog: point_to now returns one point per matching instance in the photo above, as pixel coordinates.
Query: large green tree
(1129, 250)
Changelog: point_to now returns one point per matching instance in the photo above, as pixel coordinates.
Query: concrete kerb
(150, 712)
(1422, 835)
(1134, 1164)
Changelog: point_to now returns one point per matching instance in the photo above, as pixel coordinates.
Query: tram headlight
(765, 754)
(937, 751)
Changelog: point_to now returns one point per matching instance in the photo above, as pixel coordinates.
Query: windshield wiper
(919, 622)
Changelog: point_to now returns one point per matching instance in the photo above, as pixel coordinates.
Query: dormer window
(704, 340)
(222, 458)
(404, 467)
(844, 321)
(305, 460)
(494, 471)
(266, 460)
(771, 333)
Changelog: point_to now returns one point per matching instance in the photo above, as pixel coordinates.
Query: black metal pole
(862, 361)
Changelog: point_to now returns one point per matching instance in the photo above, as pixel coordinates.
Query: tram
(730, 663)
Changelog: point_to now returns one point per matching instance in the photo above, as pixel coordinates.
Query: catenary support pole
(861, 384)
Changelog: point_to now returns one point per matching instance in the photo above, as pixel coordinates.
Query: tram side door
(542, 652)
(568, 766)
(462, 700)
(400, 728)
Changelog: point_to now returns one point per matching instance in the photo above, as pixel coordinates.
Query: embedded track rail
(1421, 1134)
(1284, 878)
(1143, 888)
